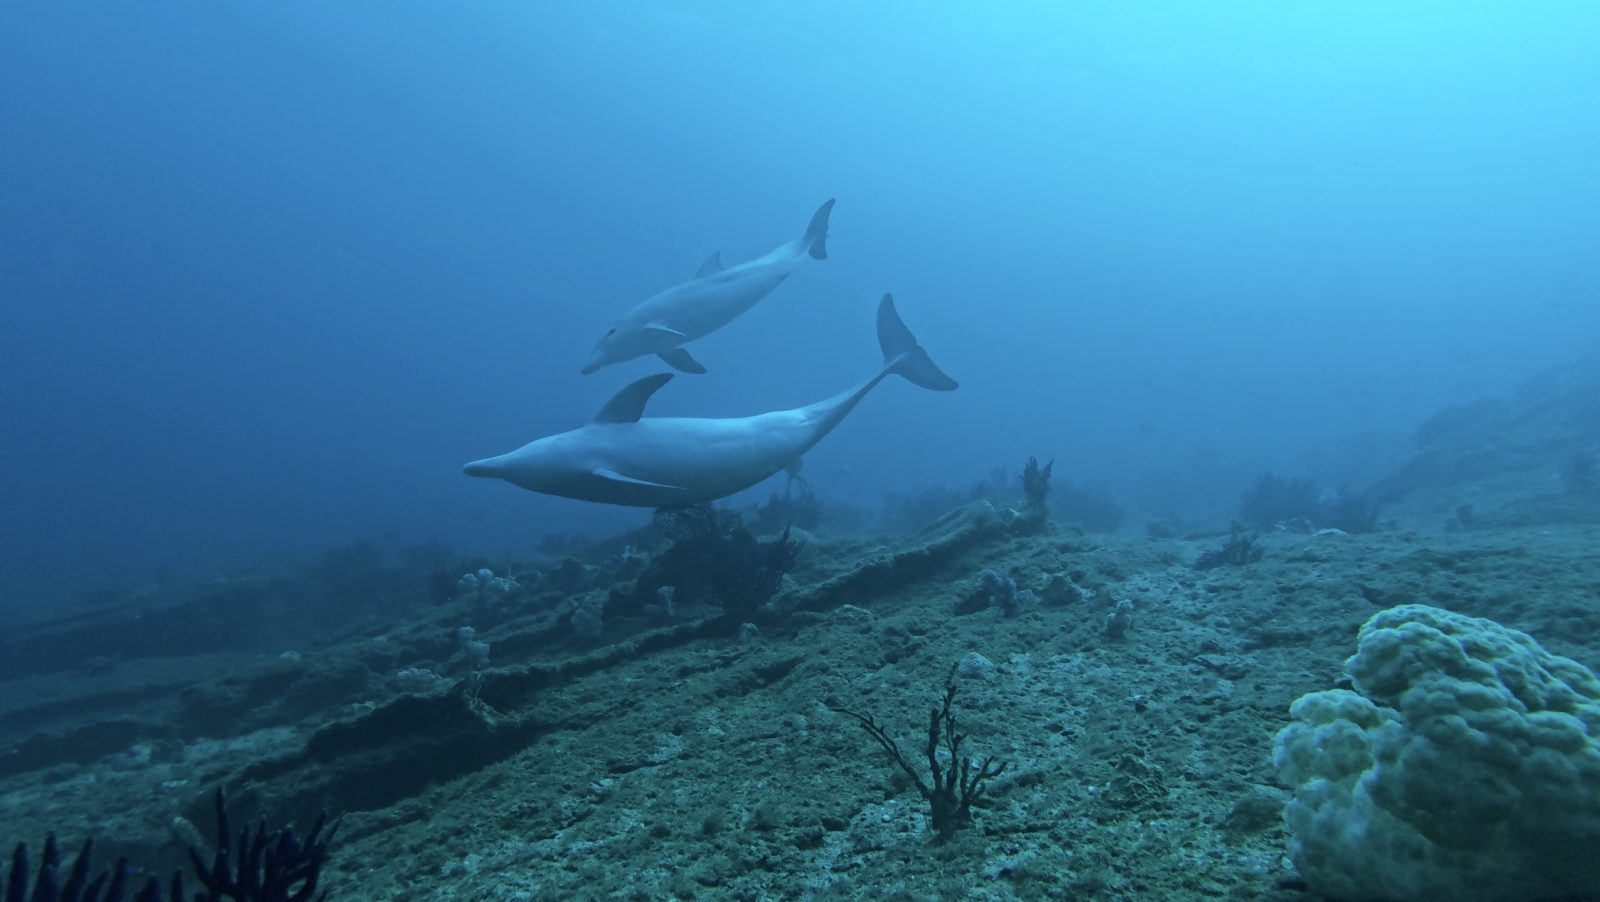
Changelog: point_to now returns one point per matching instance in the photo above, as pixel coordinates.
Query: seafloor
(659, 755)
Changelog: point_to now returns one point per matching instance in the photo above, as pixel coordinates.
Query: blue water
(271, 273)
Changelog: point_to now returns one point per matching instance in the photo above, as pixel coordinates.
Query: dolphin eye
(612, 331)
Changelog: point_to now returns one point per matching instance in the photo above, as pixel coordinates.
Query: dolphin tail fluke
(816, 236)
(901, 353)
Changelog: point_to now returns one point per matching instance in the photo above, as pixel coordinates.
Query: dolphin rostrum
(706, 303)
(620, 458)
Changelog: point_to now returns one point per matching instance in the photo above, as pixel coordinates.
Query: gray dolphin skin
(706, 303)
(620, 458)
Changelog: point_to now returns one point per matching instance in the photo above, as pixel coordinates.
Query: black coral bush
(956, 785)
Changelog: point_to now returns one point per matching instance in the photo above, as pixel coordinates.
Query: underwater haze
(272, 273)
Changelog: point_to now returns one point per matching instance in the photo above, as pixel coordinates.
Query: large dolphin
(620, 458)
(706, 303)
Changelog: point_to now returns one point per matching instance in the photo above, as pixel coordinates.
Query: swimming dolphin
(706, 303)
(620, 458)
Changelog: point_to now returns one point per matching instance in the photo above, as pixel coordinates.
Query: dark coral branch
(956, 786)
(78, 888)
(890, 746)
(1036, 480)
(1240, 550)
(271, 868)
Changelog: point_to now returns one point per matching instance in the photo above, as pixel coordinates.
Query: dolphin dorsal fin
(711, 266)
(627, 406)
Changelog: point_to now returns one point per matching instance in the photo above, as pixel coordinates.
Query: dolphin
(706, 303)
(623, 458)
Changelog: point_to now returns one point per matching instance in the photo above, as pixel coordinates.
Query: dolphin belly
(661, 462)
(696, 309)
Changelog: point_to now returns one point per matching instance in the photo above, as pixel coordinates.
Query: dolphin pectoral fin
(665, 329)
(611, 475)
(711, 266)
(679, 359)
(627, 406)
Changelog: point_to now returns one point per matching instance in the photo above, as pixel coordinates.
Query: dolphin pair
(706, 303)
(623, 458)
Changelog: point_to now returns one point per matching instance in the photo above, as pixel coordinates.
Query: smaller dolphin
(706, 303)
(620, 458)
